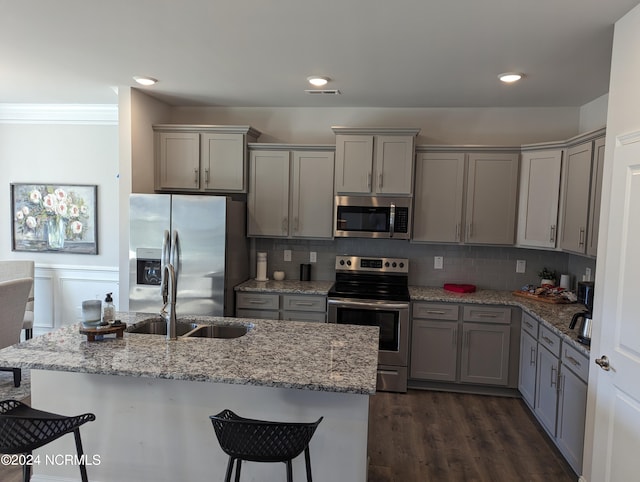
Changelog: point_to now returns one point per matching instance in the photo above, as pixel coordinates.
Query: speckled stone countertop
(554, 316)
(309, 356)
(286, 286)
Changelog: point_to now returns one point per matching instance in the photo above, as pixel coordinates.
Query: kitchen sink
(158, 326)
(219, 331)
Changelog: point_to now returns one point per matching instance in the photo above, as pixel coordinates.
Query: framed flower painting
(59, 218)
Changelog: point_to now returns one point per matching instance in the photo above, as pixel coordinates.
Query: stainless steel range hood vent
(324, 91)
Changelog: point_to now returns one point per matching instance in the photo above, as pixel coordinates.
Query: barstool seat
(262, 441)
(23, 429)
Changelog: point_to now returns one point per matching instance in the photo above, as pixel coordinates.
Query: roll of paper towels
(565, 281)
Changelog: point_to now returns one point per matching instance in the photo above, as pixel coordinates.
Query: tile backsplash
(489, 267)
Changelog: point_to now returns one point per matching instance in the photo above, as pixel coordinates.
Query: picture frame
(56, 218)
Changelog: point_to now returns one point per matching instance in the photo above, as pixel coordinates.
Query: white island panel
(152, 429)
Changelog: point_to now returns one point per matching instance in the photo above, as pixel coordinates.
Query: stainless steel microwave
(372, 217)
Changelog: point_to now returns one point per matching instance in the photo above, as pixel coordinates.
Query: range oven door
(391, 318)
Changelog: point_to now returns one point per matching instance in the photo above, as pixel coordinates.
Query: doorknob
(603, 362)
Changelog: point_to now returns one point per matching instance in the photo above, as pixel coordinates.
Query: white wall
(69, 148)
(497, 126)
(593, 115)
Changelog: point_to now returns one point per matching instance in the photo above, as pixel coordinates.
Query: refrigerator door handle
(166, 246)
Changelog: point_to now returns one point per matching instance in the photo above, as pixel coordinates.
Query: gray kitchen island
(152, 397)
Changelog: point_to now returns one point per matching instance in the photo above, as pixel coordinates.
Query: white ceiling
(258, 53)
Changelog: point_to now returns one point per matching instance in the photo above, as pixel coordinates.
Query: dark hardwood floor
(427, 436)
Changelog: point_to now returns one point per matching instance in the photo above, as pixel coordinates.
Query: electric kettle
(584, 331)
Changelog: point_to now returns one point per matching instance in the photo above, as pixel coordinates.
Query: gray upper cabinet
(291, 193)
(437, 212)
(577, 184)
(596, 195)
(201, 158)
(539, 198)
(374, 161)
(492, 189)
(465, 197)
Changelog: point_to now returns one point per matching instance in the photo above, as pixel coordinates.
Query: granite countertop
(286, 286)
(554, 316)
(309, 356)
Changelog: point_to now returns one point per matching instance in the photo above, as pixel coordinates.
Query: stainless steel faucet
(169, 294)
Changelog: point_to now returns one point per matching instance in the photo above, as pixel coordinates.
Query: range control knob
(348, 262)
(393, 264)
(342, 262)
(401, 264)
(386, 264)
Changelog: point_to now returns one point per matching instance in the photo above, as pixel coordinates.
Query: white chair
(13, 299)
(13, 269)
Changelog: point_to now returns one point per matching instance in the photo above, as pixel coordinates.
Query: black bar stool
(23, 429)
(262, 441)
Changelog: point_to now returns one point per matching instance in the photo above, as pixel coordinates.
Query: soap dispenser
(109, 312)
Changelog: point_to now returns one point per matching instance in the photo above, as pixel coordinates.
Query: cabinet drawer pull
(435, 312)
(572, 360)
(548, 340)
(257, 302)
(530, 325)
(303, 303)
(487, 315)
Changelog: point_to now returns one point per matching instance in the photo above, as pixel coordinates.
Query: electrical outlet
(287, 255)
(313, 257)
(438, 262)
(521, 266)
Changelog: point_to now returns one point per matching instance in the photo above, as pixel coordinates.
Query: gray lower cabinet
(276, 306)
(462, 344)
(553, 382)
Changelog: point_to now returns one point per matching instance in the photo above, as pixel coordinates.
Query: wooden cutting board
(553, 299)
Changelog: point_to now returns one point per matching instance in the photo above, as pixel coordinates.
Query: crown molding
(87, 114)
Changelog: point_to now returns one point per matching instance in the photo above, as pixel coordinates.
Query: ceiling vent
(323, 91)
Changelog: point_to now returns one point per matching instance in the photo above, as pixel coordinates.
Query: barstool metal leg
(307, 462)
(26, 471)
(227, 477)
(289, 471)
(83, 467)
(238, 466)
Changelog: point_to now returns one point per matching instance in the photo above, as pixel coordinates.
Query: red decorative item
(458, 288)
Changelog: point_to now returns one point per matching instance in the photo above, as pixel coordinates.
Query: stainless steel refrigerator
(203, 236)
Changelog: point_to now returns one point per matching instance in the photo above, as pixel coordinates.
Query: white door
(615, 389)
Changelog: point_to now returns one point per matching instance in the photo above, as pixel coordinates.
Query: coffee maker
(585, 296)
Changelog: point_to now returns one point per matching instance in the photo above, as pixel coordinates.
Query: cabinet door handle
(469, 230)
(554, 377)
(454, 338)
(552, 239)
(195, 178)
(581, 243)
(532, 359)
(457, 231)
(380, 181)
(285, 222)
(295, 224)
(206, 176)
(369, 181)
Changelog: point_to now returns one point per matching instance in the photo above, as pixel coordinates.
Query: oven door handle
(368, 304)
(392, 220)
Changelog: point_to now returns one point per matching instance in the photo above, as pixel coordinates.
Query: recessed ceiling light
(145, 80)
(509, 77)
(318, 81)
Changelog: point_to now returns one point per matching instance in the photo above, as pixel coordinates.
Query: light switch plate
(438, 262)
(313, 257)
(287, 255)
(521, 266)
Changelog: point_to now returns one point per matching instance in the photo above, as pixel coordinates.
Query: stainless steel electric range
(374, 291)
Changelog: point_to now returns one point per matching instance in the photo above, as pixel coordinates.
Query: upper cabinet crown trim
(579, 139)
(465, 148)
(391, 131)
(250, 131)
